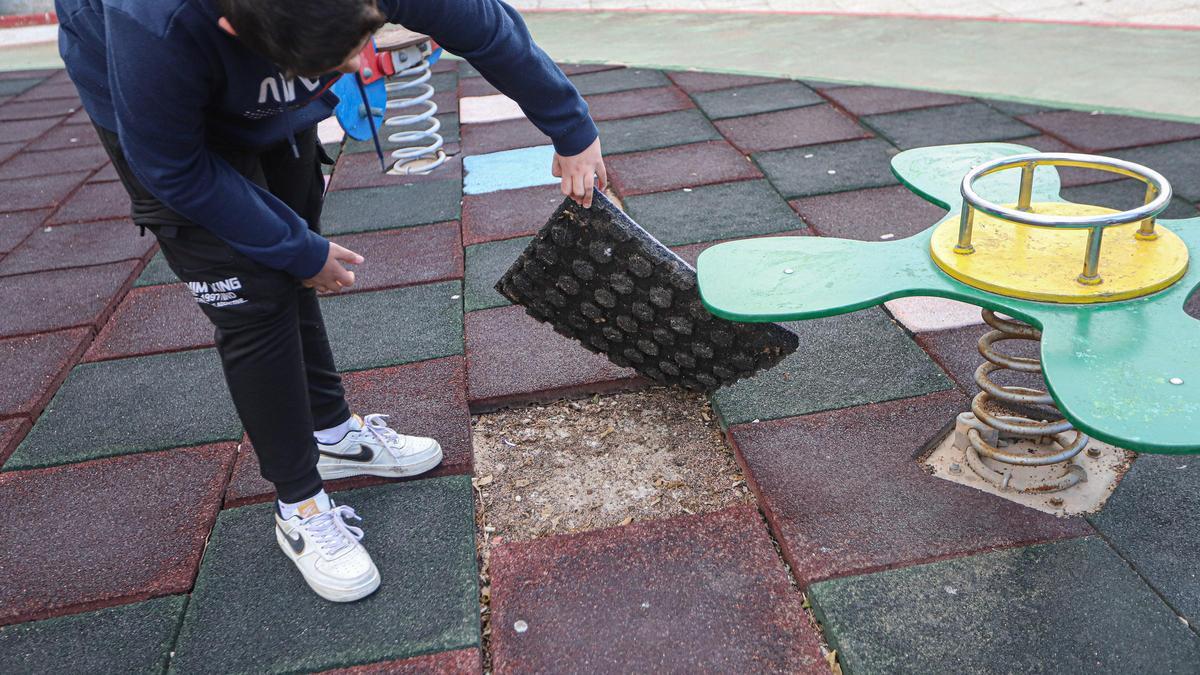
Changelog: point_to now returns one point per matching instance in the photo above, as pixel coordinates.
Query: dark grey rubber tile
(1178, 162)
(156, 272)
(621, 79)
(1066, 607)
(485, 264)
(656, 131)
(712, 212)
(966, 123)
(1014, 108)
(835, 167)
(387, 208)
(759, 98)
(389, 328)
(448, 131)
(1123, 195)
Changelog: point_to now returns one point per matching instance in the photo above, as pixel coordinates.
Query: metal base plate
(597, 277)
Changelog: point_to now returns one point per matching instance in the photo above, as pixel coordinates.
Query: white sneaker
(377, 450)
(328, 554)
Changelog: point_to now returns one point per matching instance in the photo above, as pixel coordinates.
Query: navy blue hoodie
(171, 83)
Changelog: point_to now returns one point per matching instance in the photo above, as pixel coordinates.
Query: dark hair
(303, 37)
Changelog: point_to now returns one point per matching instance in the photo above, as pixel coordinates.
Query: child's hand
(333, 276)
(579, 173)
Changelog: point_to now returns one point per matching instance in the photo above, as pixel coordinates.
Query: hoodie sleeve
(160, 86)
(493, 38)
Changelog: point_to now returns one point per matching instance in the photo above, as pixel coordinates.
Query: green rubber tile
(1124, 195)
(128, 639)
(421, 535)
(156, 272)
(132, 405)
(1178, 162)
(656, 131)
(621, 79)
(387, 208)
(486, 263)
(759, 98)
(822, 169)
(1151, 522)
(965, 123)
(711, 212)
(1066, 607)
(448, 131)
(389, 328)
(843, 361)
(18, 86)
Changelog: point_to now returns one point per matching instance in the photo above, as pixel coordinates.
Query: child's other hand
(334, 276)
(579, 173)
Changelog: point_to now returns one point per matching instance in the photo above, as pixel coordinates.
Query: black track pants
(269, 330)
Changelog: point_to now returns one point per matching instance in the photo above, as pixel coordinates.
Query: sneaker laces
(330, 531)
(376, 425)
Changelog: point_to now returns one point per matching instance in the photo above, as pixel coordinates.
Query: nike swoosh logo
(364, 454)
(297, 544)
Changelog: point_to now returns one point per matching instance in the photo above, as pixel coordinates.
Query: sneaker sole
(333, 593)
(351, 470)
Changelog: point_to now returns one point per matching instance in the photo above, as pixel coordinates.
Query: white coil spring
(422, 151)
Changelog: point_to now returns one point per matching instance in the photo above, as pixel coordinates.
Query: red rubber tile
(410, 255)
(681, 166)
(28, 74)
(1097, 133)
(88, 158)
(94, 201)
(513, 357)
(46, 301)
(585, 68)
(38, 192)
(152, 320)
(844, 494)
(361, 170)
(447, 101)
(790, 128)
(77, 245)
(26, 130)
(91, 535)
(57, 109)
(637, 102)
(16, 226)
(457, 662)
(868, 214)
(80, 117)
(693, 82)
(34, 366)
(475, 86)
(105, 175)
(507, 214)
(7, 150)
(690, 594)
(877, 100)
(65, 136)
(51, 89)
(480, 139)
(11, 432)
(956, 350)
(427, 398)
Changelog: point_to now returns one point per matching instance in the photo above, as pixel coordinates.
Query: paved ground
(136, 536)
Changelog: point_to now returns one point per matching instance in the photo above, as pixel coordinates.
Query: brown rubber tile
(410, 255)
(845, 495)
(17, 225)
(39, 192)
(45, 301)
(877, 100)
(455, 662)
(51, 89)
(480, 139)
(361, 169)
(78, 245)
(65, 136)
(7, 150)
(95, 201)
(105, 175)
(427, 398)
(956, 350)
(506, 214)
(475, 86)
(152, 320)
(12, 430)
(681, 166)
(1100, 132)
(868, 214)
(700, 593)
(26, 130)
(811, 125)
(693, 82)
(57, 109)
(107, 532)
(34, 366)
(69, 160)
(637, 102)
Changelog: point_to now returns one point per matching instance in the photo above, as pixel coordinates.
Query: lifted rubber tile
(656, 131)
(128, 639)
(148, 403)
(34, 366)
(70, 160)
(994, 612)
(153, 320)
(682, 166)
(428, 398)
(965, 123)
(421, 535)
(696, 81)
(481, 139)
(412, 255)
(755, 99)
(486, 263)
(156, 272)
(621, 79)
(710, 212)
(77, 245)
(389, 328)
(95, 201)
(387, 208)
(1098, 132)
(507, 214)
(689, 594)
(16, 226)
(459, 661)
(45, 301)
(637, 102)
(869, 215)
(39, 192)
(821, 169)
(93, 535)
(810, 125)
(878, 100)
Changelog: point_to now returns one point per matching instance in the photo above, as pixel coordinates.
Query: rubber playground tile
(157, 271)
(637, 102)
(475, 87)
(678, 167)
(15, 86)
(46, 301)
(102, 533)
(362, 170)
(711, 212)
(1098, 132)
(513, 357)
(481, 139)
(1124, 195)
(821, 169)
(69, 160)
(386, 208)
(1150, 522)
(65, 136)
(755, 99)
(7, 150)
(32, 110)
(51, 89)
(25, 130)
(508, 170)
(697, 81)
(486, 263)
(412, 255)
(12, 430)
(869, 215)
(132, 406)
(428, 398)
(843, 361)
(484, 109)
(877, 100)
(1068, 176)
(700, 593)
(656, 131)
(621, 79)
(17, 225)
(690, 252)
(152, 320)
(389, 328)
(461, 661)
(448, 131)
(810, 125)
(421, 535)
(993, 613)
(509, 213)
(34, 366)
(444, 80)
(957, 351)
(925, 314)
(944, 125)
(1014, 108)
(1178, 162)
(94, 201)
(39, 192)
(581, 68)
(129, 639)
(77, 245)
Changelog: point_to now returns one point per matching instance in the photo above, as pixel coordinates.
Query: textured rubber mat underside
(596, 276)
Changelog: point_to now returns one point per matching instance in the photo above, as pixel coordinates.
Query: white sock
(318, 503)
(334, 434)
